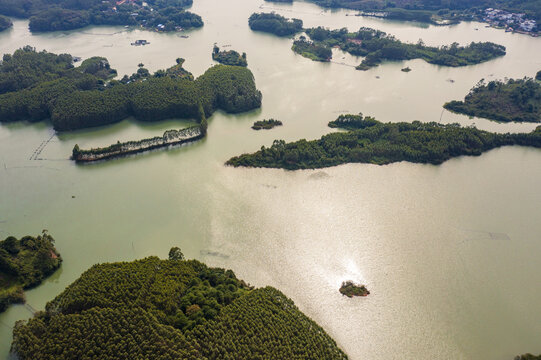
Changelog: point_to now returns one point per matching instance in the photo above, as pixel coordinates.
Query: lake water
(450, 253)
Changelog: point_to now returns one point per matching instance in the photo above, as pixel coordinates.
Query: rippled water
(450, 253)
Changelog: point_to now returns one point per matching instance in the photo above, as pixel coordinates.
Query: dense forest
(377, 46)
(5, 23)
(229, 57)
(24, 263)
(510, 100)
(75, 98)
(169, 309)
(169, 137)
(52, 15)
(274, 24)
(370, 141)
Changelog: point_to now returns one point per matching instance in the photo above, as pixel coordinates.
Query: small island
(266, 124)
(350, 289)
(169, 138)
(274, 24)
(5, 23)
(229, 57)
(24, 264)
(406, 69)
(80, 97)
(372, 142)
(156, 15)
(169, 309)
(377, 46)
(511, 100)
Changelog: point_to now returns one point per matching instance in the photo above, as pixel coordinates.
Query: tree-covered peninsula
(512, 13)
(229, 57)
(373, 142)
(510, 100)
(377, 46)
(25, 263)
(5, 23)
(169, 309)
(274, 24)
(74, 98)
(52, 15)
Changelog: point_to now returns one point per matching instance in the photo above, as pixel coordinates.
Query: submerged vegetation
(229, 57)
(511, 100)
(266, 124)
(53, 15)
(169, 309)
(373, 142)
(377, 46)
(274, 24)
(25, 263)
(73, 98)
(350, 289)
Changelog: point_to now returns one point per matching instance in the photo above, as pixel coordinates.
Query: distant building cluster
(512, 21)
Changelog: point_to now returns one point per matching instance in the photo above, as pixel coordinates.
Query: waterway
(450, 253)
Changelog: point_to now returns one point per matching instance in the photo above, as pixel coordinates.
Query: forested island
(511, 100)
(169, 138)
(370, 141)
(266, 124)
(5, 23)
(37, 86)
(53, 15)
(377, 46)
(229, 57)
(24, 264)
(350, 289)
(274, 24)
(169, 309)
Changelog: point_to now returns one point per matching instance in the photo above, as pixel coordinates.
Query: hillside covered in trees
(52, 15)
(511, 100)
(169, 309)
(377, 46)
(373, 142)
(275, 24)
(37, 86)
(24, 263)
